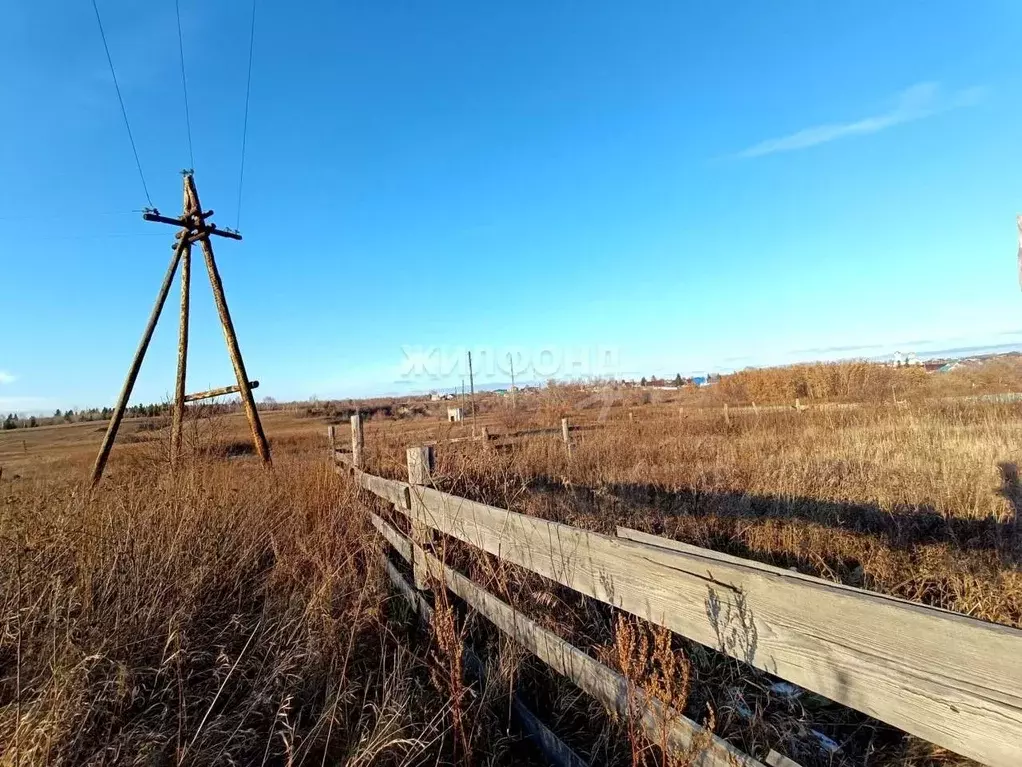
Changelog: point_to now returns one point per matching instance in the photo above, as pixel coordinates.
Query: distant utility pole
(472, 392)
(510, 360)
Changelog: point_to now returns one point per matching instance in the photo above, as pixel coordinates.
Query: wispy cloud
(7, 378)
(916, 103)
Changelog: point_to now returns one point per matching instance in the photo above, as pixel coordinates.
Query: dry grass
(225, 614)
(918, 500)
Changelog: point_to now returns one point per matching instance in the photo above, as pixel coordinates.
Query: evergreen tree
(678, 382)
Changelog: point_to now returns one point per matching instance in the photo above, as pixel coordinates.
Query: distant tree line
(12, 421)
(15, 421)
(678, 381)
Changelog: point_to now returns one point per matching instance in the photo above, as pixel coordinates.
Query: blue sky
(668, 187)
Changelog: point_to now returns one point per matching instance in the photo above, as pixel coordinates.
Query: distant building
(907, 359)
(455, 415)
(434, 396)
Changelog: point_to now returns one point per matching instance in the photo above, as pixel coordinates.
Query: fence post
(331, 435)
(357, 441)
(420, 471)
(727, 418)
(564, 436)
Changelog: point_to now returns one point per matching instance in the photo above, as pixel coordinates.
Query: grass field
(229, 614)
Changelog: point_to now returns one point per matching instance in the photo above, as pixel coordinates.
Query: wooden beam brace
(222, 391)
(201, 234)
(187, 225)
(185, 221)
(166, 220)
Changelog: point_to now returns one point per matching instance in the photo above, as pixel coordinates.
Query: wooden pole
(177, 429)
(511, 361)
(420, 472)
(357, 441)
(258, 437)
(472, 393)
(331, 436)
(222, 391)
(136, 365)
(564, 436)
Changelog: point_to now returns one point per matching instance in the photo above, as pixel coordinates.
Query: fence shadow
(905, 528)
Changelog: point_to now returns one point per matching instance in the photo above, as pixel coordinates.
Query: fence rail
(556, 751)
(950, 679)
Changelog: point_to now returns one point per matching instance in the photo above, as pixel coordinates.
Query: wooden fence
(950, 679)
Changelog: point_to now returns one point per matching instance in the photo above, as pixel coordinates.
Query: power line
(93, 236)
(70, 214)
(184, 83)
(120, 99)
(248, 95)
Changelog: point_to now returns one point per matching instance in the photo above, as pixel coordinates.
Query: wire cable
(248, 96)
(184, 83)
(120, 99)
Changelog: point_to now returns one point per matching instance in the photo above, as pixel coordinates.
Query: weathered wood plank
(603, 683)
(357, 442)
(390, 490)
(421, 460)
(598, 680)
(948, 678)
(399, 542)
(559, 753)
(775, 759)
(453, 440)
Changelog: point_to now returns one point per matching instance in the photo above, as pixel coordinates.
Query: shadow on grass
(907, 527)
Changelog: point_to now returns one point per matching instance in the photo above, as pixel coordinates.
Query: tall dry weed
(222, 614)
(659, 681)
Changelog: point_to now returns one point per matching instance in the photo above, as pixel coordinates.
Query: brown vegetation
(223, 615)
(917, 499)
(870, 382)
(229, 614)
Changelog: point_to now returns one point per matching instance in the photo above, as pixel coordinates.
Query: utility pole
(194, 227)
(472, 393)
(511, 361)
